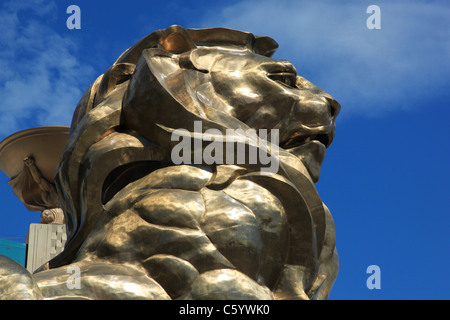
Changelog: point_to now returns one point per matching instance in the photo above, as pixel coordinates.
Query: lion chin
(140, 226)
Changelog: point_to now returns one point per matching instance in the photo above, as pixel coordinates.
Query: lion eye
(288, 79)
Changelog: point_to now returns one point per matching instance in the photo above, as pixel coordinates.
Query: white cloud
(42, 78)
(369, 71)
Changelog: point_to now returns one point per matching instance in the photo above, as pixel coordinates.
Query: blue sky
(386, 176)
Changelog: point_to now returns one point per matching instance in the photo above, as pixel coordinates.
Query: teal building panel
(14, 250)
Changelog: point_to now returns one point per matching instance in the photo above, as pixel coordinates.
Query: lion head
(228, 82)
(121, 129)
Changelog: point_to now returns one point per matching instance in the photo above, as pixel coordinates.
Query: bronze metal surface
(142, 226)
(44, 144)
(30, 158)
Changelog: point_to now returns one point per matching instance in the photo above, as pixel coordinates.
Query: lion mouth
(310, 149)
(299, 140)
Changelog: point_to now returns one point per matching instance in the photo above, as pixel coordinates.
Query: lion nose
(316, 110)
(335, 107)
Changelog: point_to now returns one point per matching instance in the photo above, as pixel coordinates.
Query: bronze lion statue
(141, 225)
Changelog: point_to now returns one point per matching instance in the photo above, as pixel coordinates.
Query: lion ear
(175, 39)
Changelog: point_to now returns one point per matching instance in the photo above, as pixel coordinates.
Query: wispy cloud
(41, 79)
(370, 72)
